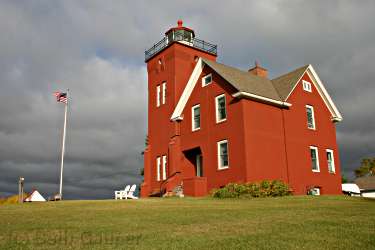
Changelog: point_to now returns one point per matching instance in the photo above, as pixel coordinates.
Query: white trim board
(187, 91)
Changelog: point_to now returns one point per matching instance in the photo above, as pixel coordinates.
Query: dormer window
(306, 86)
(206, 80)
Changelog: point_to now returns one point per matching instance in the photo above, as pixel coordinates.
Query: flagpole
(63, 143)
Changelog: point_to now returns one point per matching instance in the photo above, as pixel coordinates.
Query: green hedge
(264, 188)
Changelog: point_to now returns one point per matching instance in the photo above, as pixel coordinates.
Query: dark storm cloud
(95, 49)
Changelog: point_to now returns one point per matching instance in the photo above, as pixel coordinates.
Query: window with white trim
(220, 106)
(314, 159)
(164, 167)
(310, 117)
(158, 96)
(164, 92)
(196, 117)
(222, 154)
(158, 168)
(330, 161)
(306, 86)
(206, 80)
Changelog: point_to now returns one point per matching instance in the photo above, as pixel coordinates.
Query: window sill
(195, 130)
(316, 171)
(223, 168)
(221, 121)
(314, 129)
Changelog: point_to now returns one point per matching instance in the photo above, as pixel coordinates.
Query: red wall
(264, 138)
(211, 132)
(299, 138)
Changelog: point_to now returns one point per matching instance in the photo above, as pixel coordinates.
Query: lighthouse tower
(170, 63)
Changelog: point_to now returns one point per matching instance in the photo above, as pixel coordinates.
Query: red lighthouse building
(210, 124)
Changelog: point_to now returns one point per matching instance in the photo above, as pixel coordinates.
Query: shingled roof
(284, 84)
(244, 81)
(366, 182)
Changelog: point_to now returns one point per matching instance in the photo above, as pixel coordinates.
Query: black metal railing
(178, 37)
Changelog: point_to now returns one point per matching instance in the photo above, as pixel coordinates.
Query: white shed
(35, 196)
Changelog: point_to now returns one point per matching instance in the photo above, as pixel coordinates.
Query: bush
(264, 188)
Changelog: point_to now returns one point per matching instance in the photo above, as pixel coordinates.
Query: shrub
(264, 188)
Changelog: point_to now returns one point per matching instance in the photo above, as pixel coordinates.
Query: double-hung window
(221, 112)
(164, 92)
(164, 167)
(206, 80)
(158, 96)
(310, 117)
(196, 117)
(330, 161)
(314, 159)
(222, 154)
(158, 168)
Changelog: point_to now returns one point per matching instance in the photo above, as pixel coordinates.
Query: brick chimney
(259, 71)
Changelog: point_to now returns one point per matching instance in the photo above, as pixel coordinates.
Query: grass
(300, 222)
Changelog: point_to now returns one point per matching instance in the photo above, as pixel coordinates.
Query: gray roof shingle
(277, 89)
(244, 81)
(284, 84)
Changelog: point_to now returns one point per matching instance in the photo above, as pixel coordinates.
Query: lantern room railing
(179, 37)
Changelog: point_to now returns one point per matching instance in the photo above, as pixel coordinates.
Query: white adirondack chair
(131, 193)
(120, 194)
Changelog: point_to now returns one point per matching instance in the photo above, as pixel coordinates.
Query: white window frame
(306, 86)
(164, 160)
(158, 96)
(193, 128)
(164, 92)
(217, 108)
(317, 158)
(204, 84)
(316, 191)
(312, 115)
(219, 166)
(158, 168)
(330, 151)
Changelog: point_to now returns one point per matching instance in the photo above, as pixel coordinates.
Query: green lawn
(301, 222)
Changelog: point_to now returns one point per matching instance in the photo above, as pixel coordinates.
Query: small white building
(34, 196)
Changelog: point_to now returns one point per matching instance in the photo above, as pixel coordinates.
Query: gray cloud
(95, 49)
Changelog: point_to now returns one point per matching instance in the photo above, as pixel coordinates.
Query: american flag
(61, 97)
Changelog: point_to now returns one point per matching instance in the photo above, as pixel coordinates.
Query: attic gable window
(310, 117)
(206, 80)
(306, 86)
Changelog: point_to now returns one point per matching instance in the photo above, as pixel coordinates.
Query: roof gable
(276, 91)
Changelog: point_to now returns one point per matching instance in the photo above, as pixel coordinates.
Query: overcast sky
(96, 49)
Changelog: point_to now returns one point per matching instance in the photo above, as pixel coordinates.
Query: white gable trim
(336, 116)
(261, 98)
(187, 91)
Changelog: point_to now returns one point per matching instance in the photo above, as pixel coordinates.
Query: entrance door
(199, 165)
